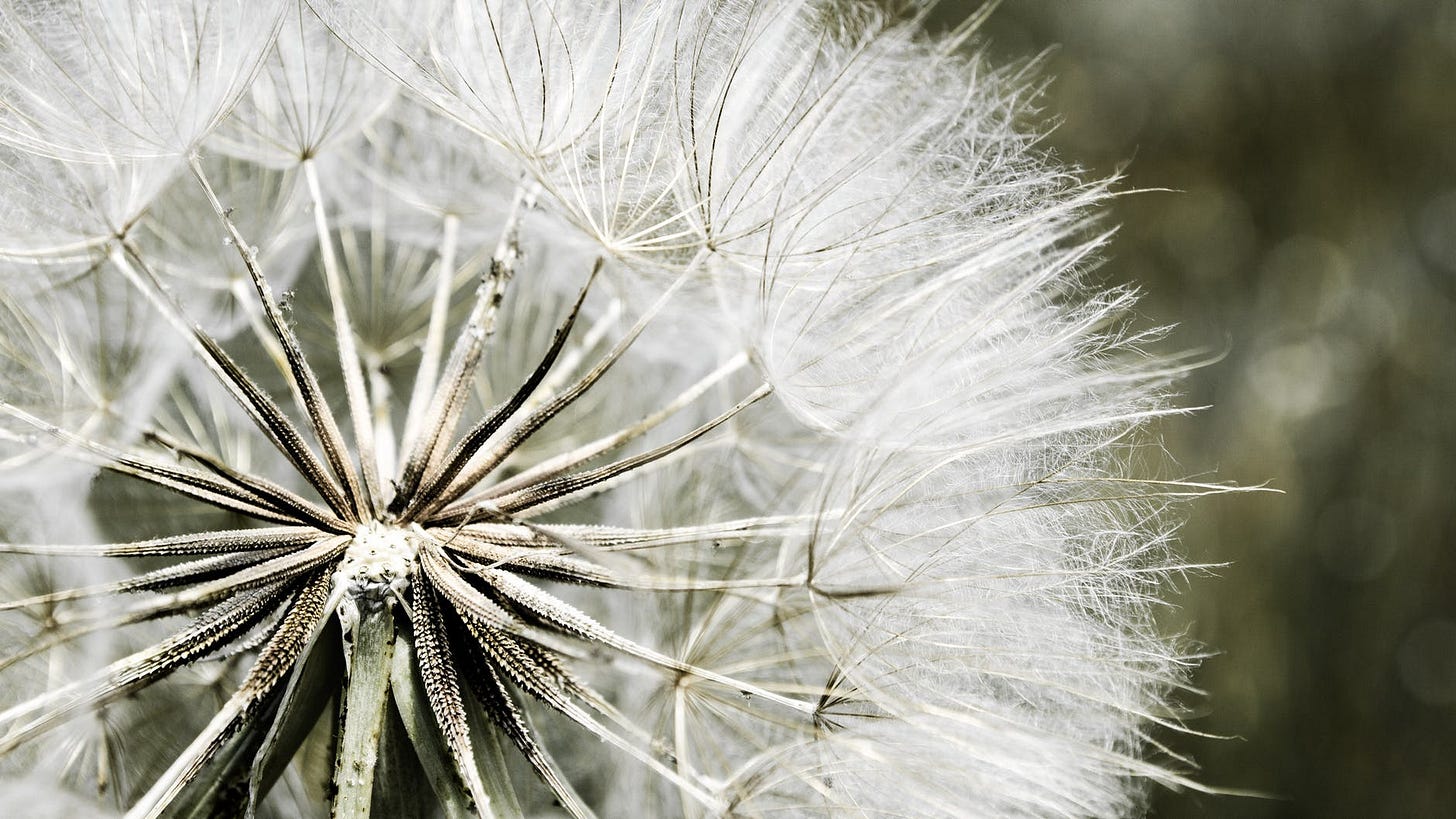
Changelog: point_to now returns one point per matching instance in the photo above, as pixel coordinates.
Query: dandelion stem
(366, 697)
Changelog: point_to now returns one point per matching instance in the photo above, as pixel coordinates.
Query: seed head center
(379, 560)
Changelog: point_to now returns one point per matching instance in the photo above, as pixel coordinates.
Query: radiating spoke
(210, 630)
(275, 570)
(282, 431)
(187, 482)
(442, 685)
(315, 405)
(469, 445)
(501, 707)
(523, 429)
(354, 392)
(155, 580)
(565, 462)
(274, 663)
(568, 569)
(435, 430)
(260, 407)
(425, 376)
(614, 538)
(556, 492)
(280, 496)
(249, 397)
(537, 675)
(201, 543)
(559, 614)
(463, 597)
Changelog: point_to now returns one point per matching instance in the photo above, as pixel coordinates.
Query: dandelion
(564, 409)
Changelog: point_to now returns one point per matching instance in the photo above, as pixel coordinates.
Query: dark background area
(1311, 242)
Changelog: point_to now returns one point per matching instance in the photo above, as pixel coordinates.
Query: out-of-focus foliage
(1312, 239)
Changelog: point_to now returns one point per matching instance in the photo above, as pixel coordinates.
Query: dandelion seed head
(704, 409)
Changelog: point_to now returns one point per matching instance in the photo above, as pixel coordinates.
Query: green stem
(366, 696)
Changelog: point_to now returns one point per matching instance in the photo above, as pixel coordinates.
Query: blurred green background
(1312, 240)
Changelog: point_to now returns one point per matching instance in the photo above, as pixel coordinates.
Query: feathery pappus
(564, 409)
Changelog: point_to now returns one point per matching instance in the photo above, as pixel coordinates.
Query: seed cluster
(454, 558)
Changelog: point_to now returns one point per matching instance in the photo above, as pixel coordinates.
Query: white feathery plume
(422, 172)
(101, 100)
(80, 350)
(131, 80)
(55, 209)
(311, 94)
(179, 236)
(617, 408)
